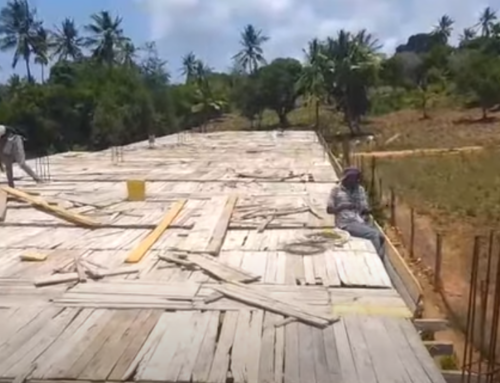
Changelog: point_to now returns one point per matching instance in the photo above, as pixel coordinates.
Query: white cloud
(211, 28)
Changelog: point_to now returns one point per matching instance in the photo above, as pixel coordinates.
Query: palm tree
(18, 31)
(189, 63)
(312, 81)
(41, 49)
(106, 35)
(66, 41)
(467, 35)
(486, 21)
(128, 53)
(444, 28)
(351, 62)
(251, 54)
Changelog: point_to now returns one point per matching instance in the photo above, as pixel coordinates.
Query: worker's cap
(351, 172)
(3, 129)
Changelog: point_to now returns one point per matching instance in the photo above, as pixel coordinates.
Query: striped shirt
(341, 196)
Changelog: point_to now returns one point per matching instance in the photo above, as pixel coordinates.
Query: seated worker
(12, 150)
(349, 204)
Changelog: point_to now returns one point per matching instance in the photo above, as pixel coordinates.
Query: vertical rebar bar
(469, 328)
(491, 370)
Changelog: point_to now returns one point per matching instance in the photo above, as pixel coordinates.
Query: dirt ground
(446, 129)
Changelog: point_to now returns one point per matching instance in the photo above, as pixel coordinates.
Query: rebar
(116, 154)
(42, 167)
(486, 365)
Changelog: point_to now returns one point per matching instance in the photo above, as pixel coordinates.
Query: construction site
(202, 258)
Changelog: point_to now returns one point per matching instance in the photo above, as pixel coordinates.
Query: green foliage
(121, 93)
(479, 75)
(277, 86)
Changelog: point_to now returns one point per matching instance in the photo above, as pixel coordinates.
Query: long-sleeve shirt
(357, 197)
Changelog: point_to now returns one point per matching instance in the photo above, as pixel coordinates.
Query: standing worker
(12, 150)
(349, 204)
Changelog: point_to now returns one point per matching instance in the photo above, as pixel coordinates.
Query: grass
(463, 185)
(300, 118)
(447, 128)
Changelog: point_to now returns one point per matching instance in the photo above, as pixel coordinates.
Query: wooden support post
(346, 152)
(412, 233)
(439, 348)
(453, 376)
(372, 180)
(438, 262)
(431, 325)
(380, 193)
(393, 208)
(3, 205)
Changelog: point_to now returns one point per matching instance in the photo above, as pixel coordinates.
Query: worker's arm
(336, 204)
(363, 202)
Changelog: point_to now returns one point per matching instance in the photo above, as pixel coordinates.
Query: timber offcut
(226, 272)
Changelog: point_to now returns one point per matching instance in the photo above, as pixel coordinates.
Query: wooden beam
(42, 205)
(138, 253)
(431, 325)
(439, 348)
(219, 234)
(406, 275)
(455, 376)
(3, 205)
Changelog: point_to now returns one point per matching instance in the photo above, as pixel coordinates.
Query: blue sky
(210, 28)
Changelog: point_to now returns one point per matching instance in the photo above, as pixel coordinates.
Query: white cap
(2, 130)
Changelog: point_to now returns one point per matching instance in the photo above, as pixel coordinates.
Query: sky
(211, 28)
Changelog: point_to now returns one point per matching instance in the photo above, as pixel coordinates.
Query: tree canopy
(96, 88)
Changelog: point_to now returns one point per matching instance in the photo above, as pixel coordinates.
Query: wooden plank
(21, 358)
(382, 351)
(321, 367)
(256, 298)
(410, 281)
(56, 211)
(405, 356)
(420, 352)
(431, 325)
(113, 321)
(60, 360)
(309, 276)
(266, 363)
(205, 322)
(220, 270)
(11, 327)
(220, 364)
(219, 234)
(3, 205)
(239, 352)
(345, 354)
(204, 360)
(188, 345)
(360, 350)
(145, 245)
(178, 332)
(279, 352)
(332, 353)
(307, 372)
(331, 269)
(132, 341)
(27, 331)
(148, 347)
(439, 348)
(103, 361)
(292, 353)
(456, 377)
